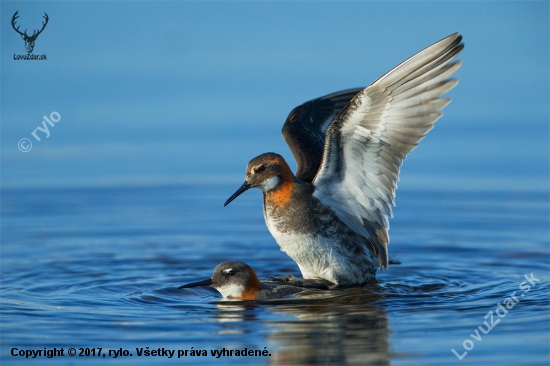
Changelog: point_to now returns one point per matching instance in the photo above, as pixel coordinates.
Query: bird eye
(229, 272)
(261, 168)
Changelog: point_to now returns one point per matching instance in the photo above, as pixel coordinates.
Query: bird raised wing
(304, 130)
(366, 143)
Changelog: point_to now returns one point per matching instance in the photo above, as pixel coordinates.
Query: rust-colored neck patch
(281, 195)
(252, 287)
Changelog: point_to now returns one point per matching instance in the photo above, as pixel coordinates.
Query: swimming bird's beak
(207, 282)
(243, 188)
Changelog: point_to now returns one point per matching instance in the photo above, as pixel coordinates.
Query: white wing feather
(366, 143)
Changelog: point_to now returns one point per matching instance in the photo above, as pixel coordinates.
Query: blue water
(87, 268)
(162, 104)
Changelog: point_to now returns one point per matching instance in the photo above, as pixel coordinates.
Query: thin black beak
(243, 188)
(207, 282)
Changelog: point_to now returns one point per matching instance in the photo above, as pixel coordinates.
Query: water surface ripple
(101, 267)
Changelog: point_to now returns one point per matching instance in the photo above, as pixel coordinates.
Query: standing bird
(332, 217)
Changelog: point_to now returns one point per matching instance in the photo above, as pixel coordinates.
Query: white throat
(270, 183)
(231, 291)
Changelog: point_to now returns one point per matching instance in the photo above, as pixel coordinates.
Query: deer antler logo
(29, 40)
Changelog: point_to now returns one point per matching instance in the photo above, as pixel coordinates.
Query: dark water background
(100, 268)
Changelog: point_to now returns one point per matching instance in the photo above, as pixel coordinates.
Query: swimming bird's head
(268, 172)
(234, 280)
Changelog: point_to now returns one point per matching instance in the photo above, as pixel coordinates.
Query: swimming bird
(331, 217)
(238, 281)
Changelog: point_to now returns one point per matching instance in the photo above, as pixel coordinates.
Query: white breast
(312, 253)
